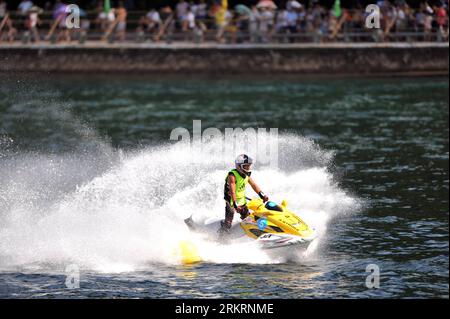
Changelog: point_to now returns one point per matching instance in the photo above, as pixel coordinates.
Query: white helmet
(244, 164)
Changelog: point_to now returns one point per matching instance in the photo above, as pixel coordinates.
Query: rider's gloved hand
(243, 211)
(263, 196)
(238, 209)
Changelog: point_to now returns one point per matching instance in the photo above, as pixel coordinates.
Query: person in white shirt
(265, 24)
(190, 19)
(105, 19)
(151, 21)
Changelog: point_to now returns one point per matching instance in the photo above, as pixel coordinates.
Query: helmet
(244, 164)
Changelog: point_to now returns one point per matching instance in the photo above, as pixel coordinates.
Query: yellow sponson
(277, 222)
(188, 252)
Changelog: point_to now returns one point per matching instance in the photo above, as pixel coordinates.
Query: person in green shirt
(234, 192)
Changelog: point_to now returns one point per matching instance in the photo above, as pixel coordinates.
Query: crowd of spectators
(201, 20)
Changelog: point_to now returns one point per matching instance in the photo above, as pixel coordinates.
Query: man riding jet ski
(234, 191)
(272, 225)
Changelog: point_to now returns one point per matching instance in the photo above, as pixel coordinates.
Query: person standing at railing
(121, 21)
(427, 12)
(60, 16)
(32, 22)
(390, 18)
(231, 28)
(188, 27)
(24, 8)
(111, 20)
(181, 11)
(188, 20)
(286, 22)
(4, 17)
(242, 16)
(281, 24)
(265, 24)
(105, 16)
(403, 17)
(356, 22)
(337, 18)
(301, 19)
(200, 11)
(168, 24)
(221, 19)
(266, 19)
(293, 19)
(6, 22)
(119, 24)
(315, 21)
(151, 22)
(442, 22)
(2, 9)
(81, 33)
(319, 14)
(309, 22)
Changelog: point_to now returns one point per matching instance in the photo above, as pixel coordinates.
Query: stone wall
(431, 58)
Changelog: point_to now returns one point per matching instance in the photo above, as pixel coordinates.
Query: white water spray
(131, 214)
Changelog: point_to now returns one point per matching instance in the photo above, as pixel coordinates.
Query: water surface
(388, 137)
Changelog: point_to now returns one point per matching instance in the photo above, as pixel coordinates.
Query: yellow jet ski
(270, 224)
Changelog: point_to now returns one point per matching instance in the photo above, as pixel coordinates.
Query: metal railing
(233, 33)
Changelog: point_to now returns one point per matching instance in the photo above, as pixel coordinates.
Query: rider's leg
(229, 214)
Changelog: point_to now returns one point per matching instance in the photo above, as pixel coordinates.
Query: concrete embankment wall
(397, 58)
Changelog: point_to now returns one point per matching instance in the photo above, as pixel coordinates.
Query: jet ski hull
(266, 241)
(270, 227)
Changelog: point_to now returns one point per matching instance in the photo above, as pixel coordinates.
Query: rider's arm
(257, 189)
(254, 185)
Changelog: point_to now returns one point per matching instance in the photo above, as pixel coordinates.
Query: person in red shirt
(442, 21)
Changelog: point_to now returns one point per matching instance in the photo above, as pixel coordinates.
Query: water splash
(67, 209)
